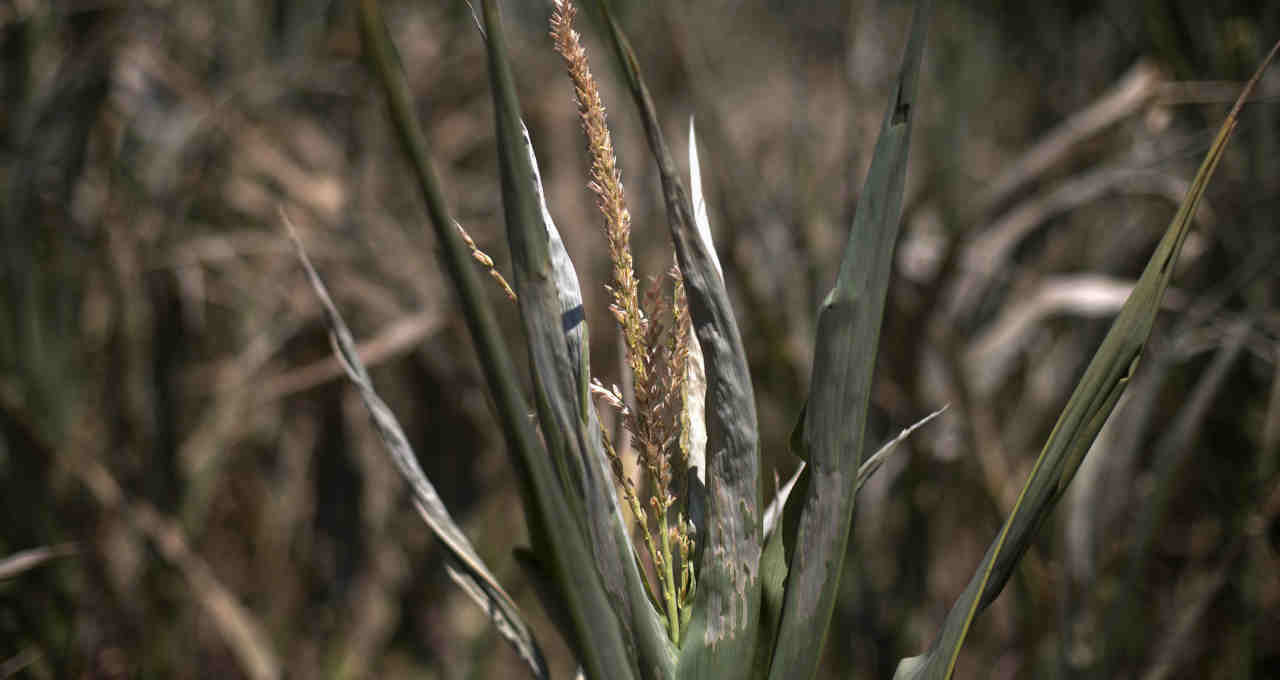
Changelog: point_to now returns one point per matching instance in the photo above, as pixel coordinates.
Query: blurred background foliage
(187, 488)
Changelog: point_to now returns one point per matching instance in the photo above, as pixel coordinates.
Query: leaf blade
(722, 633)
(844, 360)
(601, 594)
(547, 506)
(1086, 411)
(467, 569)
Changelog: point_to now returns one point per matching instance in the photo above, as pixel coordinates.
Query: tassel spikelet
(656, 339)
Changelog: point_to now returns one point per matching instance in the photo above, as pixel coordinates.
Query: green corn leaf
(549, 593)
(588, 477)
(465, 566)
(781, 519)
(554, 523)
(588, 474)
(722, 632)
(773, 579)
(552, 312)
(535, 281)
(832, 435)
(551, 307)
(494, 359)
(573, 320)
(1086, 411)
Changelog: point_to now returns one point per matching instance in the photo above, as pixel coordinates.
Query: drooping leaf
(721, 637)
(832, 434)
(466, 568)
(1086, 411)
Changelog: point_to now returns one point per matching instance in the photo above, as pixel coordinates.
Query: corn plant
(715, 583)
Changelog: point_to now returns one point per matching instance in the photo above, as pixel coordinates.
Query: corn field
(639, 340)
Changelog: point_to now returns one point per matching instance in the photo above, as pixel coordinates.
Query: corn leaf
(780, 521)
(573, 320)
(722, 632)
(588, 477)
(465, 566)
(832, 436)
(773, 580)
(774, 511)
(551, 307)
(695, 378)
(1086, 411)
(554, 523)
